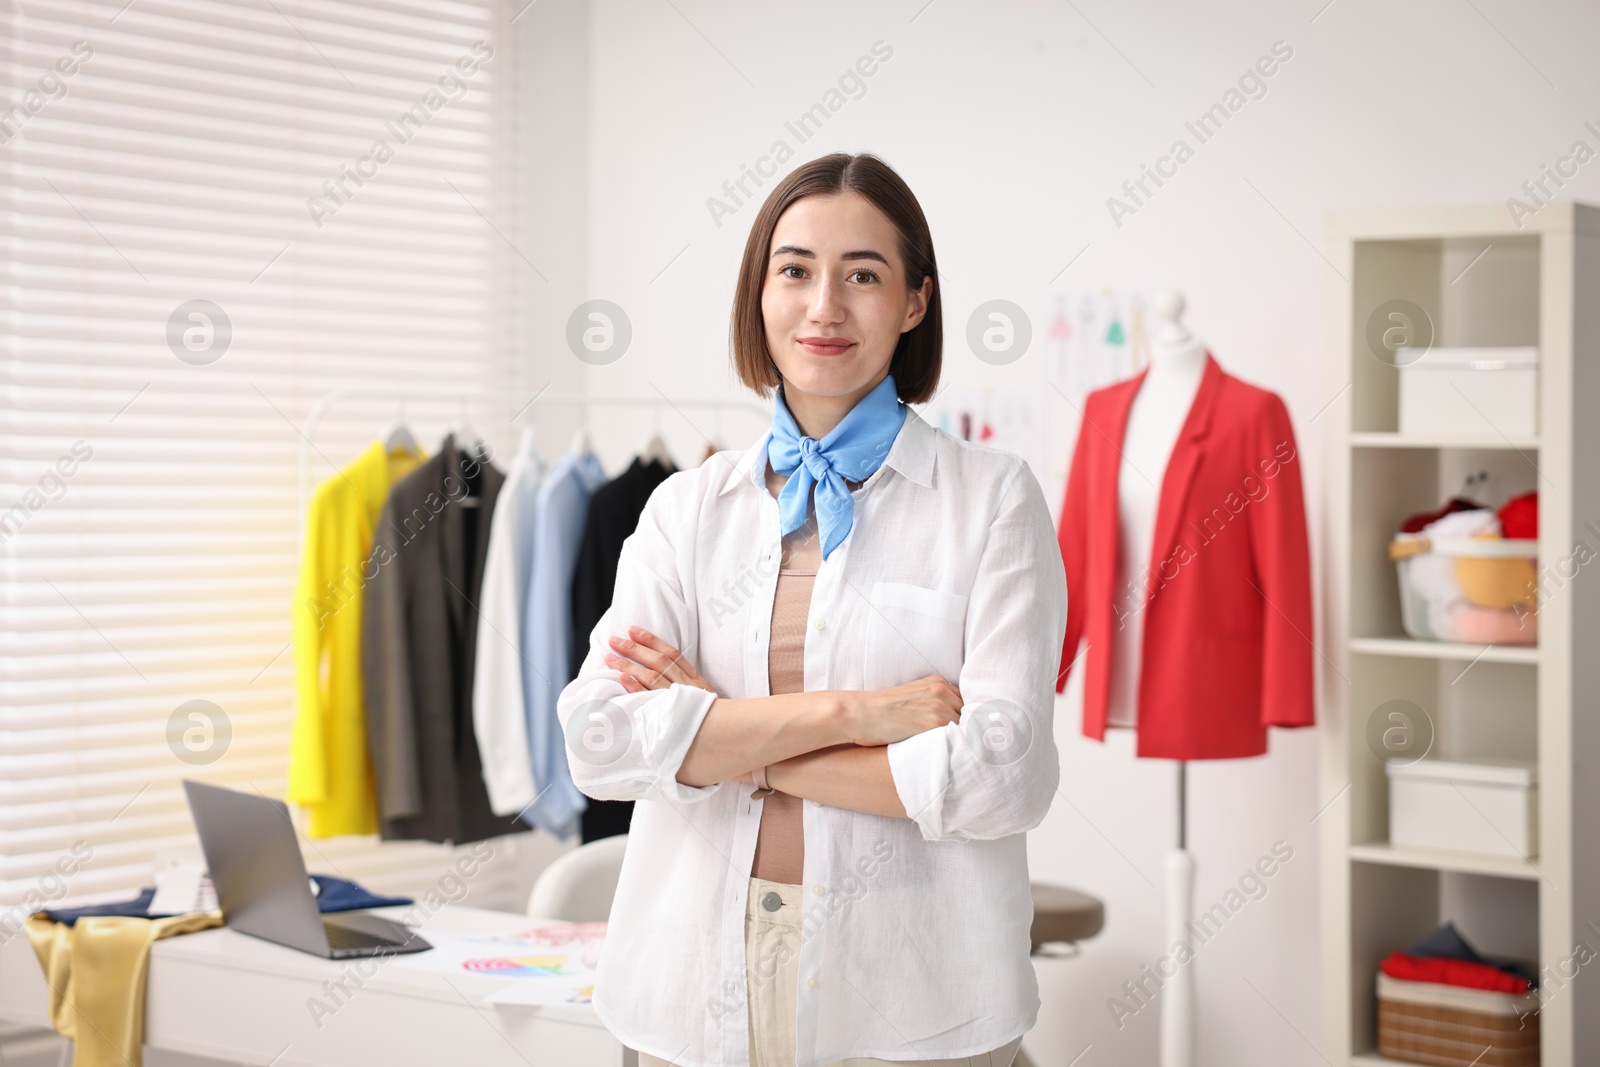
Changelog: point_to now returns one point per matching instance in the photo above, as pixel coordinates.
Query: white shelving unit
(1484, 282)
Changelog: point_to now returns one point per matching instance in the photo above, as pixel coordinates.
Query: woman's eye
(864, 273)
(791, 267)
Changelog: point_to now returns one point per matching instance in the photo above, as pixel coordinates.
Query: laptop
(262, 885)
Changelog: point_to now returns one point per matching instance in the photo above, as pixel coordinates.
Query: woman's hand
(654, 663)
(884, 716)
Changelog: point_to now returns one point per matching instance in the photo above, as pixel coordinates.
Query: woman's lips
(825, 346)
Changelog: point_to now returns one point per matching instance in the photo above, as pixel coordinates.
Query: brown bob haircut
(916, 361)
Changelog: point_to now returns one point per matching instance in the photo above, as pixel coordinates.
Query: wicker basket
(1447, 1026)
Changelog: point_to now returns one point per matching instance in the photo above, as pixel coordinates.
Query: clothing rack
(523, 401)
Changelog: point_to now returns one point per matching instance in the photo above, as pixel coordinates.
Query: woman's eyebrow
(806, 253)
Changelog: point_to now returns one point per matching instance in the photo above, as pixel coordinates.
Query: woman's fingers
(657, 656)
(635, 671)
(647, 645)
(659, 664)
(656, 660)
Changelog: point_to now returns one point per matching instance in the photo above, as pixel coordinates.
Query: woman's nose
(825, 303)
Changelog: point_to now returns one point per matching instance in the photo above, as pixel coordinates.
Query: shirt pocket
(912, 631)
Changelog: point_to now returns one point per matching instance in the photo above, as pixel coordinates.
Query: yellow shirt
(330, 772)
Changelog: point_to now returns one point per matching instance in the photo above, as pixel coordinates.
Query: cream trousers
(772, 963)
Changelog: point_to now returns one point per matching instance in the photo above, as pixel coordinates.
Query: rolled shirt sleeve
(995, 772)
(630, 746)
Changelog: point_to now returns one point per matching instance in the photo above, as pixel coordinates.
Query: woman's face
(835, 300)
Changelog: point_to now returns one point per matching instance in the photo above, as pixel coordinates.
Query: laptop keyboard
(343, 939)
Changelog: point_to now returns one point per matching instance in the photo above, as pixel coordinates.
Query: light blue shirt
(559, 518)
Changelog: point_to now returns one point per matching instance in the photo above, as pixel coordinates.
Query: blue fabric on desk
(138, 907)
(340, 894)
(334, 894)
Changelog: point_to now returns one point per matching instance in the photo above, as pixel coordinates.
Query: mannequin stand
(1177, 1000)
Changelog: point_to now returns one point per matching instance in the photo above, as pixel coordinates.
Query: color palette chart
(547, 963)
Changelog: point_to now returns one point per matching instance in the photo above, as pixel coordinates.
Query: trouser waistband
(774, 902)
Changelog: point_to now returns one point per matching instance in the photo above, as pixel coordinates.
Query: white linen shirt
(914, 932)
(499, 698)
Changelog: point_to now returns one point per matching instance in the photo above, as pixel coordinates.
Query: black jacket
(614, 511)
(419, 630)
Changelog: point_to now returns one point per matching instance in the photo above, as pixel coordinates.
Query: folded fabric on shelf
(1446, 957)
(1452, 972)
(1519, 516)
(1415, 523)
(1432, 575)
(1496, 626)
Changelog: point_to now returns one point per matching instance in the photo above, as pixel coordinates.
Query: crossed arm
(805, 740)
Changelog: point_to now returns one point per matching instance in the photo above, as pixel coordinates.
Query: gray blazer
(419, 630)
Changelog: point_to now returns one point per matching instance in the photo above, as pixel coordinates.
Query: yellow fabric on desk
(96, 970)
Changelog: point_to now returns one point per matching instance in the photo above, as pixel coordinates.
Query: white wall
(1014, 122)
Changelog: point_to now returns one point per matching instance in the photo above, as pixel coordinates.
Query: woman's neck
(817, 415)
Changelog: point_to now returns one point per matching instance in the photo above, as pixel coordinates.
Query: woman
(828, 672)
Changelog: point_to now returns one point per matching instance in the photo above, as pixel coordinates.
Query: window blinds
(214, 213)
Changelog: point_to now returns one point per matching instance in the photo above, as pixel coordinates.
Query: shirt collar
(911, 455)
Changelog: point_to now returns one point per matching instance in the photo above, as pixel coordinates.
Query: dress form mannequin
(1155, 419)
(1177, 361)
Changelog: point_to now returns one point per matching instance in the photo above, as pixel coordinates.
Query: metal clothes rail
(524, 402)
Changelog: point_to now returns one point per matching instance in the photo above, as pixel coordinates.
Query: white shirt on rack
(915, 932)
(499, 698)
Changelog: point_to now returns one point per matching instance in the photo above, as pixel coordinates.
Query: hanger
(655, 450)
(399, 437)
(529, 443)
(581, 445)
(469, 441)
(466, 436)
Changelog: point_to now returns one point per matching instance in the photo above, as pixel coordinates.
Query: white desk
(231, 997)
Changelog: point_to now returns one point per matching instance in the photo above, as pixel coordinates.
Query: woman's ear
(917, 304)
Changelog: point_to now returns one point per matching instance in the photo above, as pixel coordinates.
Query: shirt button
(817, 889)
(818, 624)
(812, 982)
(816, 803)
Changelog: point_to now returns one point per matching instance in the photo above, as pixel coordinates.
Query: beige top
(780, 843)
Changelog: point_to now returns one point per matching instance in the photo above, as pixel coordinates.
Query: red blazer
(1227, 619)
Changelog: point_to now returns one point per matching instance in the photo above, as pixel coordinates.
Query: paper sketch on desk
(551, 962)
(182, 887)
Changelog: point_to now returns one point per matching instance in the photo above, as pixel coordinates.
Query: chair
(1060, 914)
(1063, 914)
(579, 886)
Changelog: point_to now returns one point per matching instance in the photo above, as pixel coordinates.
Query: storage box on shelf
(1469, 390)
(1474, 589)
(1484, 806)
(1445, 1026)
(1481, 590)
(1452, 278)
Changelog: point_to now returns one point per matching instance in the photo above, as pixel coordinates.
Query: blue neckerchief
(853, 449)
